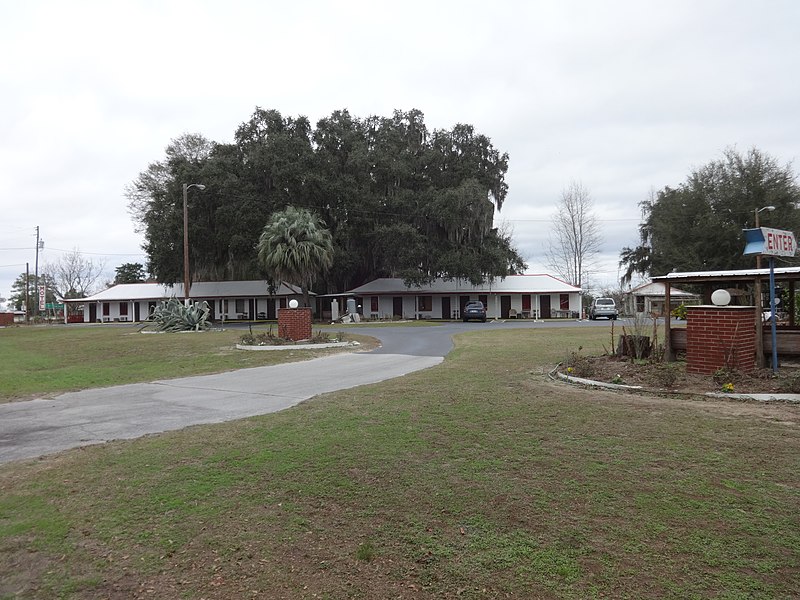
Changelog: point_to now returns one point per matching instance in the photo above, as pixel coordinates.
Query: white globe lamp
(721, 298)
(293, 303)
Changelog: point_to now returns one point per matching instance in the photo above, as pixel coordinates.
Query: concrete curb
(297, 346)
(789, 398)
(593, 383)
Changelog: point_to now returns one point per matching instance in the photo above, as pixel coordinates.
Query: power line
(99, 253)
(550, 220)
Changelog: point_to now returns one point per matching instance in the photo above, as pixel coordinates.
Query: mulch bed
(673, 376)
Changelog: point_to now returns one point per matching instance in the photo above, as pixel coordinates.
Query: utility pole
(187, 284)
(27, 294)
(36, 275)
(760, 359)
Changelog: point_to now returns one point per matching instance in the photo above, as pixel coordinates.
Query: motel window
(106, 309)
(123, 309)
(425, 303)
(240, 305)
(373, 304)
(564, 301)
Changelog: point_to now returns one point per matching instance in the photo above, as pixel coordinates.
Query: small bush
(174, 315)
(321, 337)
(791, 385)
(578, 365)
(265, 338)
(268, 338)
(726, 375)
(666, 375)
(679, 312)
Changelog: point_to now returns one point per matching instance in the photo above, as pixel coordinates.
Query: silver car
(603, 307)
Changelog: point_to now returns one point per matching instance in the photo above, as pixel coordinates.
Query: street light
(757, 297)
(756, 211)
(186, 187)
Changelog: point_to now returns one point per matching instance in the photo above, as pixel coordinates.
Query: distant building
(515, 296)
(649, 299)
(228, 300)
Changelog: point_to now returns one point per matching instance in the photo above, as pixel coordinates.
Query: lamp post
(186, 288)
(757, 297)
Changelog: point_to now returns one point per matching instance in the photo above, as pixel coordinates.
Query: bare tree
(73, 275)
(575, 237)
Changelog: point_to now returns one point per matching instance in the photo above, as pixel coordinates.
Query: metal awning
(737, 276)
(749, 276)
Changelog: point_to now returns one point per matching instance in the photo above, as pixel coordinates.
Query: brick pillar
(294, 323)
(720, 336)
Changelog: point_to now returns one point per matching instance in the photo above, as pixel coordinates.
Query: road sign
(769, 242)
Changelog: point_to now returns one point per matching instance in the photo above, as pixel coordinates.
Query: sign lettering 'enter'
(778, 242)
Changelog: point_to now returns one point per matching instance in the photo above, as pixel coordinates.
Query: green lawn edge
(479, 478)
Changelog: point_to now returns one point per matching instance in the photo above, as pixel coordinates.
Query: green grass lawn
(479, 478)
(52, 359)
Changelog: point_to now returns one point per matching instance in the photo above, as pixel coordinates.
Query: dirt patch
(673, 376)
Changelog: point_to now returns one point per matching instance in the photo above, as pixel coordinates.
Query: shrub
(726, 375)
(791, 385)
(679, 312)
(666, 375)
(265, 338)
(578, 365)
(174, 315)
(268, 338)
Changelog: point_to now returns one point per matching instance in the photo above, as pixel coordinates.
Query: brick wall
(294, 323)
(720, 336)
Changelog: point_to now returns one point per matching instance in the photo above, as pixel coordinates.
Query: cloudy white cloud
(624, 96)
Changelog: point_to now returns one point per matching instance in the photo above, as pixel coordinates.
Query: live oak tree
(698, 224)
(398, 199)
(575, 236)
(129, 273)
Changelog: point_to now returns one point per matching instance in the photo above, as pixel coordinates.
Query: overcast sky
(625, 97)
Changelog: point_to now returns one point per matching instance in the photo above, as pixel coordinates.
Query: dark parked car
(474, 310)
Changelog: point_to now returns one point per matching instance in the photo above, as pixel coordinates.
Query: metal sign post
(765, 241)
(772, 316)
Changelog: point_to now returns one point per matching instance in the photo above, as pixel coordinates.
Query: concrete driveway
(38, 427)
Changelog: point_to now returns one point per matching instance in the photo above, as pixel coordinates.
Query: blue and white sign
(769, 242)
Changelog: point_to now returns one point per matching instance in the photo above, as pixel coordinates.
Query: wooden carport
(789, 341)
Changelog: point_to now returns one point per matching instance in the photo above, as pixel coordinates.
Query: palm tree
(295, 247)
